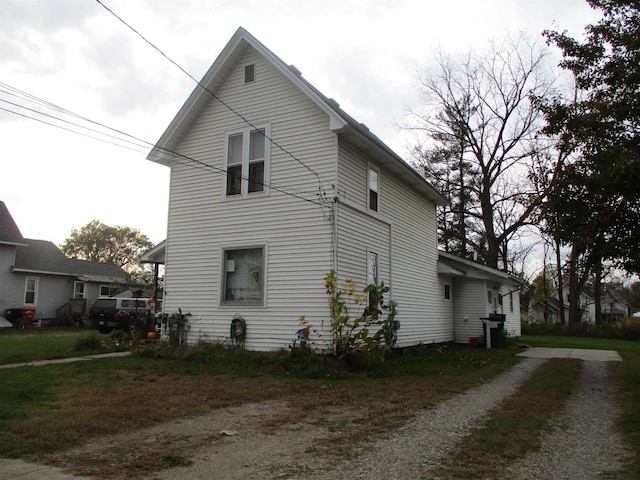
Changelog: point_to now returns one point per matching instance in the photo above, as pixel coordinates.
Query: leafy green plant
(363, 337)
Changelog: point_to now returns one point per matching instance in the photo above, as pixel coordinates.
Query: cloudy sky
(76, 55)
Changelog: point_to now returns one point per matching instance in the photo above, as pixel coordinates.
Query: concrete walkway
(19, 470)
(579, 353)
(40, 363)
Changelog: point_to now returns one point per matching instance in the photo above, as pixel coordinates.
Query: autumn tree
(595, 202)
(479, 141)
(101, 243)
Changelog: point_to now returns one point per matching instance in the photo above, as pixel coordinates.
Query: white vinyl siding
(296, 228)
(470, 305)
(405, 224)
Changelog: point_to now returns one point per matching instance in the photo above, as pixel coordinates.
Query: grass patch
(21, 346)
(88, 400)
(515, 428)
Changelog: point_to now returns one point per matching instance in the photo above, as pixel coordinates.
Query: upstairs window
(447, 291)
(247, 156)
(374, 188)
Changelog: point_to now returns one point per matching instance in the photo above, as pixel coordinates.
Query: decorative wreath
(238, 331)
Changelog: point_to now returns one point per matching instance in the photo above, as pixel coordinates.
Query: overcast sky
(73, 53)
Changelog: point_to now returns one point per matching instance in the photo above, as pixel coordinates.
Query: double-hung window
(31, 291)
(247, 157)
(243, 275)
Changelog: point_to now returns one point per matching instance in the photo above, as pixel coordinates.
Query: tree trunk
(563, 320)
(575, 317)
(597, 293)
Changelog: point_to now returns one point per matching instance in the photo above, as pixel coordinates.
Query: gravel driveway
(584, 444)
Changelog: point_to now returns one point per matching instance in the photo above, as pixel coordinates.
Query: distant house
(273, 185)
(614, 308)
(36, 274)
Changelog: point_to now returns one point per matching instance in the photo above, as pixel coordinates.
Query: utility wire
(213, 95)
(179, 158)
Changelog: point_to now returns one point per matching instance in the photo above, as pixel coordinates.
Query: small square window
(243, 279)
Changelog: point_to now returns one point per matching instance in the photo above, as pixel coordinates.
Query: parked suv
(126, 314)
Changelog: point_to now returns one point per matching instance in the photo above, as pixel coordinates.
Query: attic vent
(249, 73)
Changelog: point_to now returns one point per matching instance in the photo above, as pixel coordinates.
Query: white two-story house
(272, 187)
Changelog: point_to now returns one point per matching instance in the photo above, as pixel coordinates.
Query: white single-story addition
(273, 186)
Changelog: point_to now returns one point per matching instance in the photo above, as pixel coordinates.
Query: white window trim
(444, 292)
(371, 167)
(244, 189)
(36, 290)
(223, 268)
(84, 289)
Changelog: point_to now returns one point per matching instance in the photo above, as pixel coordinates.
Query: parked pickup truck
(126, 314)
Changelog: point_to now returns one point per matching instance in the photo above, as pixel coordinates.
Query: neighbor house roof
(9, 231)
(339, 121)
(449, 264)
(41, 256)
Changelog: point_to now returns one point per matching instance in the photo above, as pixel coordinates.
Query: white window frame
(446, 289)
(373, 271)
(245, 161)
(83, 293)
(36, 284)
(371, 168)
(111, 291)
(224, 270)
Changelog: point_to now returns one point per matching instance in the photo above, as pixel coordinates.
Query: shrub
(360, 339)
(605, 330)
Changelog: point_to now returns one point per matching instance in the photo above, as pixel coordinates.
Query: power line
(213, 95)
(179, 158)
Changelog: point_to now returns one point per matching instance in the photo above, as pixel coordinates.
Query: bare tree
(481, 108)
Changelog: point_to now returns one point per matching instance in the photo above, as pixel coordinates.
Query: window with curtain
(243, 279)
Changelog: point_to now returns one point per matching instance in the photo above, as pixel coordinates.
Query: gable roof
(41, 256)
(339, 121)
(449, 264)
(9, 231)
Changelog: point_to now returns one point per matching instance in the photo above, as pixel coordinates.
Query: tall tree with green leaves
(595, 202)
(597, 197)
(101, 243)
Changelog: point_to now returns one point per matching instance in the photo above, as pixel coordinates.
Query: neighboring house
(36, 274)
(614, 308)
(273, 186)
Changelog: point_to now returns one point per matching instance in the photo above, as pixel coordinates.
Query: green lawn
(19, 346)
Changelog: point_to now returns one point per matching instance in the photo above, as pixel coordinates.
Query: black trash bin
(497, 331)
